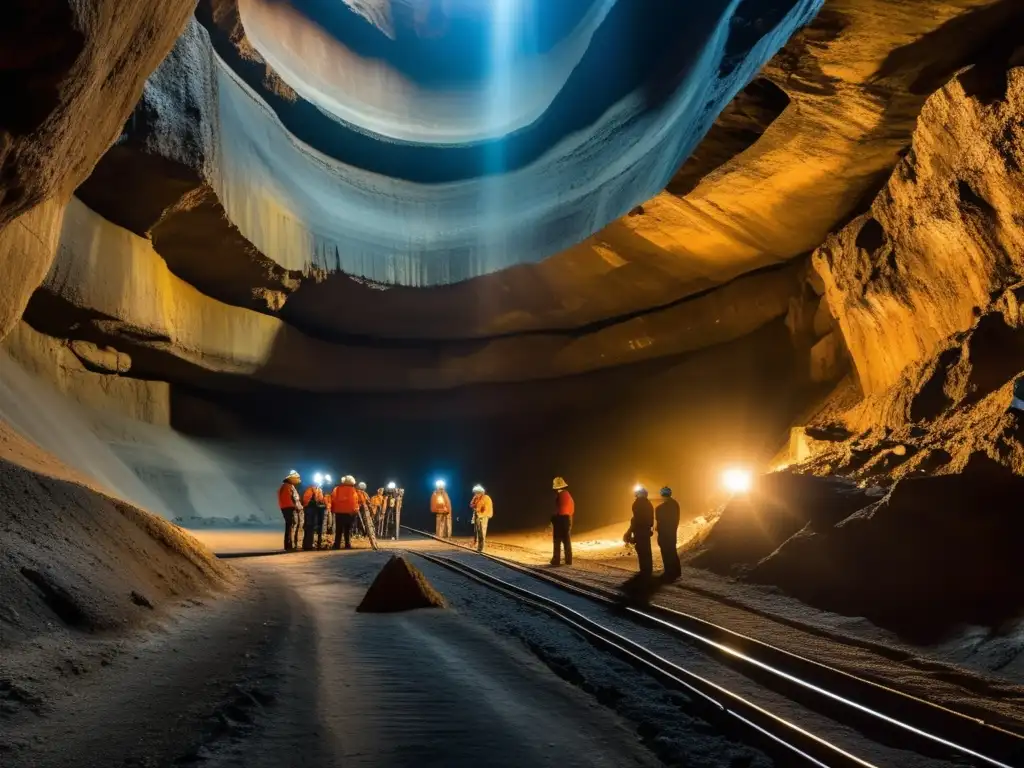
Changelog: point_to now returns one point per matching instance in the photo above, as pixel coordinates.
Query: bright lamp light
(736, 480)
(318, 478)
(391, 486)
(439, 484)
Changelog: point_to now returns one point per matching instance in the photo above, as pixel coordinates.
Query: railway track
(891, 716)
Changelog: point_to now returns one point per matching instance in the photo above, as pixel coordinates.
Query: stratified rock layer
(173, 332)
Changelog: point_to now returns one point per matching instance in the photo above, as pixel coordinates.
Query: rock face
(70, 74)
(172, 331)
(944, 236)
(948, 539)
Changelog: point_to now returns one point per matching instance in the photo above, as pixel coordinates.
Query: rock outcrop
(949, 541)
(944, 236)
(70, 74)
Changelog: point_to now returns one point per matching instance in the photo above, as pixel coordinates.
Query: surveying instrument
(389, 521)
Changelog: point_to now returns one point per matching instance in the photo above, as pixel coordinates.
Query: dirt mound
(952, 540)
(400, 586)
(754, 525)
(73, 560)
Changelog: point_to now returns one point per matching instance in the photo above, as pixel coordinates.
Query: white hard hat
(293, 473)
(348, 480)
(559, 483)
(362, 486)
(439, 484)
(478, 488)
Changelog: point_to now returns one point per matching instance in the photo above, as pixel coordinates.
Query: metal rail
(1001, 748)
(766, 729)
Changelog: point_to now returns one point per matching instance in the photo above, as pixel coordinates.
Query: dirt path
(286, 673)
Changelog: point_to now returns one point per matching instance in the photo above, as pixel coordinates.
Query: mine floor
(283, 671)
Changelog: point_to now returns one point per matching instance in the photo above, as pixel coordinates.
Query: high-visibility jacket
(440, 504)
(482, 505)
(313, 494)
(364, 498)
(564, 505)
(288, 497)
(345, 500)
(327, 501)
(377, 501)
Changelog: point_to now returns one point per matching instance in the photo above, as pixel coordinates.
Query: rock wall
(109, 287)
(90, 375)
(944, 237)
(70, 74)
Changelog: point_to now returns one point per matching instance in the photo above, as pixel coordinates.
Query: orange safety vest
(345, 500)
(440, 504)
(285, 500)
(313, 493)
(564, 505)
(482, 505)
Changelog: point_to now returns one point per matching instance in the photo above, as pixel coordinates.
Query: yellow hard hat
(559, 483)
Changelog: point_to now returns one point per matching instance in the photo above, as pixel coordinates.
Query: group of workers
(337, 510)
(482, 507)
(318, 511)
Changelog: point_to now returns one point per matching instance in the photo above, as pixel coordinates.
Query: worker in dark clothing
(561, 522)
(641, 529)
(291, 509)
(667, 520)
(316, 510)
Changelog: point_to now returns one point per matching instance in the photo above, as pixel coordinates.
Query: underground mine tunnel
(735, 284)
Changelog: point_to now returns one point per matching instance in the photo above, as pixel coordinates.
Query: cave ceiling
(400, 173)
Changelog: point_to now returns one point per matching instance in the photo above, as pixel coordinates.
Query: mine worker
(377, 502)
(345, 503)
(328, 510)
(641, 528)
(441, 509)
(667, 517)
(483, 511)
(364, 506)
(561, 522)
(315, 511)
(291, 508)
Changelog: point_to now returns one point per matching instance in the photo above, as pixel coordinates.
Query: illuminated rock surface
(312, 203)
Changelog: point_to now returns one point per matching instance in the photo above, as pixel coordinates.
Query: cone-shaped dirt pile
(400, 586)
